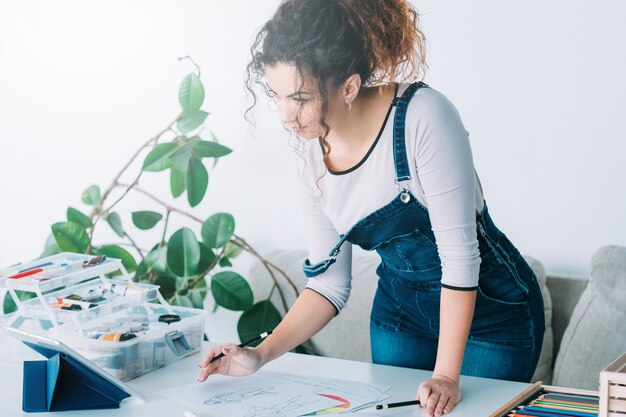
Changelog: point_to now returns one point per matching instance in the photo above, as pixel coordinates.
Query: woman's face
(299, 104)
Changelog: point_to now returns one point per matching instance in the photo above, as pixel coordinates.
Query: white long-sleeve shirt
(443, 180)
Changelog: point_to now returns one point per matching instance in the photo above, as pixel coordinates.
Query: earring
(349, 105)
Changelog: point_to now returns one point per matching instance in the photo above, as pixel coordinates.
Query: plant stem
(236, 241)
(98, 211)
(163, 203)
(167, 218)
(130, 245)
(134, 245)
(246, 246)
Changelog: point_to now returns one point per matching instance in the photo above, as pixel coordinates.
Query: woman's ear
(351, 88)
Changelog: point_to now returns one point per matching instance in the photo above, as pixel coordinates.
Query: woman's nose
(285, 113)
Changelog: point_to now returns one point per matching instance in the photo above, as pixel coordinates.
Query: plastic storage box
(124, 327)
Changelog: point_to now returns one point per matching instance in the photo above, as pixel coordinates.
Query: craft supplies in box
(545, 400)
(124, 327)
(138, 339)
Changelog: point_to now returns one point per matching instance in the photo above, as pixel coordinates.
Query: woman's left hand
(438, 395)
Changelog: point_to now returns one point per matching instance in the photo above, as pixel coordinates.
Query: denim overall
(507, 328)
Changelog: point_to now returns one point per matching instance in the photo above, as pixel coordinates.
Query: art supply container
(93, 306)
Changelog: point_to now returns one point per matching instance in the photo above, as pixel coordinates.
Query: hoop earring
(349, 105)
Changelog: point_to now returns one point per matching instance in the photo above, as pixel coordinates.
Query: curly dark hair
(329, 40)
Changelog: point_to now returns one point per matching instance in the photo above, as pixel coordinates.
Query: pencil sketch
(275, 394)
(239, 396)
(278, 410)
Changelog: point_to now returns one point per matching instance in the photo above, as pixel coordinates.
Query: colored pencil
(570, 397)
(557, 411)
(562, 404)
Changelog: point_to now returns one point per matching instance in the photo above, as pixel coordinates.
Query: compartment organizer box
(91, 304)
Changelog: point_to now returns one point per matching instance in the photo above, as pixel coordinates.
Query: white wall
(539, 85)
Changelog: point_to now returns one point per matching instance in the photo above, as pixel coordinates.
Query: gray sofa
(585, 318)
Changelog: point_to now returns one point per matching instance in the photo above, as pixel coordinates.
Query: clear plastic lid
(90, 299)
(56, 271)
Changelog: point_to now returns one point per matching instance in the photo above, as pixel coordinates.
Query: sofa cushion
(565, 293)
(596, 333)
(543, 372)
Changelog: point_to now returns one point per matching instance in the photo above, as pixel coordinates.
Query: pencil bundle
(558, 405)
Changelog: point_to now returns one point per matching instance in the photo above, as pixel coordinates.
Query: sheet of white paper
(271, 394)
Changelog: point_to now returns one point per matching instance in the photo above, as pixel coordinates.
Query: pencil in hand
(400, 404)
(244, 344)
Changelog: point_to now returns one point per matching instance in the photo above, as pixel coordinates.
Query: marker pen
(50, 272)
(63, 269)
(36, 266)
(26, 273)
(124, 290)
(84, 304)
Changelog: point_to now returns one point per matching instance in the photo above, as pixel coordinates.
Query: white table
(481, 396)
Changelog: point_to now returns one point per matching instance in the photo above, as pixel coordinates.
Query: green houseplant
(186, 268)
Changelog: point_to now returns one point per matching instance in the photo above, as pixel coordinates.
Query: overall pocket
(499, 279)
(412, 258)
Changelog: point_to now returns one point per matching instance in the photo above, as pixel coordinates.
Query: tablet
(63, 349)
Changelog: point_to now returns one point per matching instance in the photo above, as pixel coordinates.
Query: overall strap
(403, 173)
(313, 270)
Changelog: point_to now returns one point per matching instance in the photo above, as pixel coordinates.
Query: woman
(389, 167)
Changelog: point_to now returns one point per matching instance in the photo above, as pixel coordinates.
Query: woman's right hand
(237, 361)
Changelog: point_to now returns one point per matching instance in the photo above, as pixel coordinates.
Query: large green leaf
(191, 93)
(191, 121)
(50, 247)
(177, 182)
(207, 256)
(197, 180)
(167, 285)
(156, 259)
(183, 253)
(142, 272)
(158, 158)
(70, 237)
(115, 221)
(206, 149)
(218, 229)
(9, 306)
(76, 216)
(180, 158)
(262, 317)
(231, 291)
(146, 220)
(117, 252)
(91, 196)
(224, 263)
(198, 293)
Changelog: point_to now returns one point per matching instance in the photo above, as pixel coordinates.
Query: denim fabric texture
(507, 328)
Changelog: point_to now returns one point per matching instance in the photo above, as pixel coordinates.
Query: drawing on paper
(239, 396)
(345, 404)
(274, 394)
(278, 410)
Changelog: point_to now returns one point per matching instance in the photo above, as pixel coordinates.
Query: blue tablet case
(62, 383)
